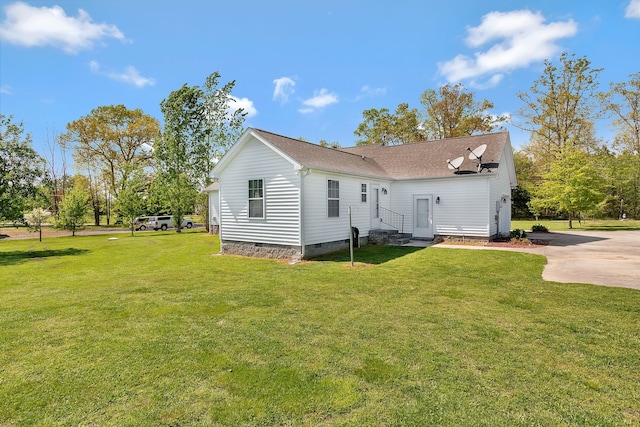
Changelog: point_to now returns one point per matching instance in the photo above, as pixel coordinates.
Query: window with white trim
(256, 198)
(363, 193)
(333, 198)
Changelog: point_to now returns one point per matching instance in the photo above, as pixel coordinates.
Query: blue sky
(302, 68)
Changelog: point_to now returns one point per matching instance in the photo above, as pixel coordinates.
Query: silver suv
(163, 222)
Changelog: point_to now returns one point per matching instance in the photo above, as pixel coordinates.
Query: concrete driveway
(596, 257)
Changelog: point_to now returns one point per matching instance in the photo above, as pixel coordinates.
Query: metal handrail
(391, 218)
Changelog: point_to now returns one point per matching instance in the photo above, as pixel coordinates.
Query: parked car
(140, 223)
(162, 222)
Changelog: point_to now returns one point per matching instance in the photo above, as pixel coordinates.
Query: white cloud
(373, 91)
(5, 90)
(520, 38)
(492, 81)
(633, 9)
(283, 89)
(245, 103)
(30, 26)
(320, 99)
(130, 75)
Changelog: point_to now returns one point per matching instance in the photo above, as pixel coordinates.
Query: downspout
(303, 173)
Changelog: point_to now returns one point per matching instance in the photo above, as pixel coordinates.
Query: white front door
(422, 216)
(375, 207)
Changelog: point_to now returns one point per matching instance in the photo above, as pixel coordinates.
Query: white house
(286, 198)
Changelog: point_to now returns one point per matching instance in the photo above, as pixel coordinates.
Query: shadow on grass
(17, 257)
(370, 254)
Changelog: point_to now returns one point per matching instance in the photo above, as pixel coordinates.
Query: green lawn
(157, 330)
(588, 225)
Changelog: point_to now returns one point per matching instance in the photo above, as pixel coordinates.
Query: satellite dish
(477, 152)
(455, 163)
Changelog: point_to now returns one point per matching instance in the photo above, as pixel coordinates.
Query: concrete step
(399, 241)
(397, 235)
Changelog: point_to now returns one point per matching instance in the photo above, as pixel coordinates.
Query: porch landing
(392, 237)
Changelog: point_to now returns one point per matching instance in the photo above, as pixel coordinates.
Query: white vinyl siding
(500, 186)
(462, 210)
(281, 192)
(318, 227)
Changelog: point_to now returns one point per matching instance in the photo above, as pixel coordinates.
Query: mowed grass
(158, 330)
(584, 225)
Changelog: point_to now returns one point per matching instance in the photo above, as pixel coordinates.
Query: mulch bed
(517, 243)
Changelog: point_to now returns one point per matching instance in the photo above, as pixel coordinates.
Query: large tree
(452, 111)
(200, 124)
(111, 139)
(21, 168)
(559, 110)
(623, 102)
(382, 127)
(572, 185)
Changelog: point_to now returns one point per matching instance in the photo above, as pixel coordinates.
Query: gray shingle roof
(409, 161)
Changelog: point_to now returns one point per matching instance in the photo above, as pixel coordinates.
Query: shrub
(539, 228)
(518, 234)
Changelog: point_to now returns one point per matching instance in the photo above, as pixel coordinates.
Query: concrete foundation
(293, 253)
(260, 250)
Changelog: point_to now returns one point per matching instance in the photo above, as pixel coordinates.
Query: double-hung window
(363, 193)
(333, 198)
(256, 198)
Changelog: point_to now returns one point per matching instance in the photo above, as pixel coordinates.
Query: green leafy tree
(131, 200)
(36, 219)
(572, 185)
(560, 109)
(621, 172)
(325, 143)
(527, 178)
(181, 197)
(382, 127)
(21, 169)
(452, 111)
(110, 140)
(200, 125)
(224, 121)
(73, 211)
(623, 102)
(156, 201)
(182, 149)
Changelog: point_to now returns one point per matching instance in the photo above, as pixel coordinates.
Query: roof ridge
(306, 142)
(461, 137)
